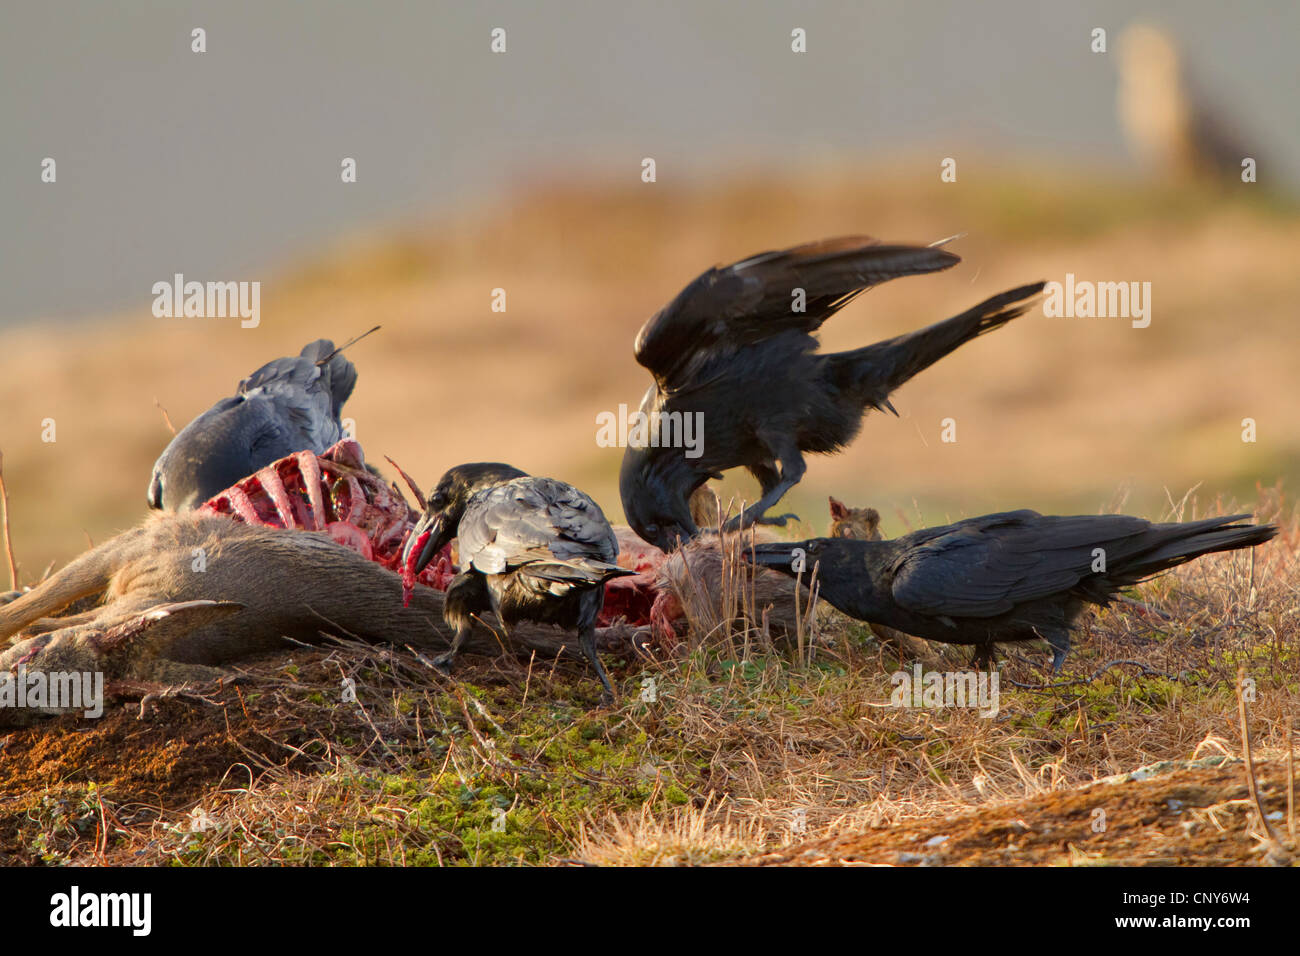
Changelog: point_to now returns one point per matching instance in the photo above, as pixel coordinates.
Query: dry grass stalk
(4, 519)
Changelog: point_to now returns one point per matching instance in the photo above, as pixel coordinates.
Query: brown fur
(695, 579)
(860, 523)
(259, 586)
(706, 507)
(690, 583)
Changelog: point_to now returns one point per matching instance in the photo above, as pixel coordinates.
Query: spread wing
(985, 566)
(754, 299)
(532, 520)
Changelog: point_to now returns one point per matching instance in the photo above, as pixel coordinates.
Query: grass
(723, 751)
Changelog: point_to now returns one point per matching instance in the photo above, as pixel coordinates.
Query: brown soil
(1181, 814)
(146, 760)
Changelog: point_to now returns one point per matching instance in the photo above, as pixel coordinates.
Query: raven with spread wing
(531, 549)
(1015, 576)
(735, 350)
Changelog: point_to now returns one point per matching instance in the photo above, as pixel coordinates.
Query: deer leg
(47, 624)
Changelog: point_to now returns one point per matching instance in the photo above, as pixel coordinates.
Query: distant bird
(736, 350)
(1169, 125)
(286, 406)
(1016, 576)
(531, 549)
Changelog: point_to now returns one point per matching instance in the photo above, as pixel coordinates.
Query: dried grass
(732, 748)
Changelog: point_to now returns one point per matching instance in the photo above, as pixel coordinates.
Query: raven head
(221, 447)
(446, 506)
(656, 505)
(793, 558)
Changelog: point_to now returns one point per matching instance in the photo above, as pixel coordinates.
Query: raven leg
(587, 638)
(467, 595)
(792, 469)
(1059, 641)
(768, 478)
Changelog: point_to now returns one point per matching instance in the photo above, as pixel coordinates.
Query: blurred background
(522, 171)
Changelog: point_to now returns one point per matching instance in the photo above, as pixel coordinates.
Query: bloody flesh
(337, 493)
(408, 569)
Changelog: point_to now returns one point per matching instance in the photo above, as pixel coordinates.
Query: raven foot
(739, 522)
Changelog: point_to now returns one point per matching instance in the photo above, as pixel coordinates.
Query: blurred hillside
(1052, 413)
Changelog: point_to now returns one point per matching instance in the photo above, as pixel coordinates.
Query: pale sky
(214, 164)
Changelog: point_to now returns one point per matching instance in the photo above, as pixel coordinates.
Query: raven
(735, 351)
(289, 405)
(1014, 576)
(531, 549)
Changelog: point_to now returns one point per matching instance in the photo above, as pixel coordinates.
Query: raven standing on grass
(1016, 576)
(286, 406)
(734, 347)
(531, 549)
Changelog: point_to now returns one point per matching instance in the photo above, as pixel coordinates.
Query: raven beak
(424, 543)
(155, 492)
(777, 556)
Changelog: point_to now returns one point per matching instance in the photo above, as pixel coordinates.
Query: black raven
(286, 406)
(531, 549)
(734, 352)
(1015, 576)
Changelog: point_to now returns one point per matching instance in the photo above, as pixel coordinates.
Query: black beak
(427, 537)
(778, 556)
(155, 492)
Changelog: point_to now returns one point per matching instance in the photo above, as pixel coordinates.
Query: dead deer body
(183, 595)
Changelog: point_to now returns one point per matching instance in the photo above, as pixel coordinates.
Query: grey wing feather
(309, 395)
(306, 415)
(266, 433)
(530, 520)
(286, 406)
